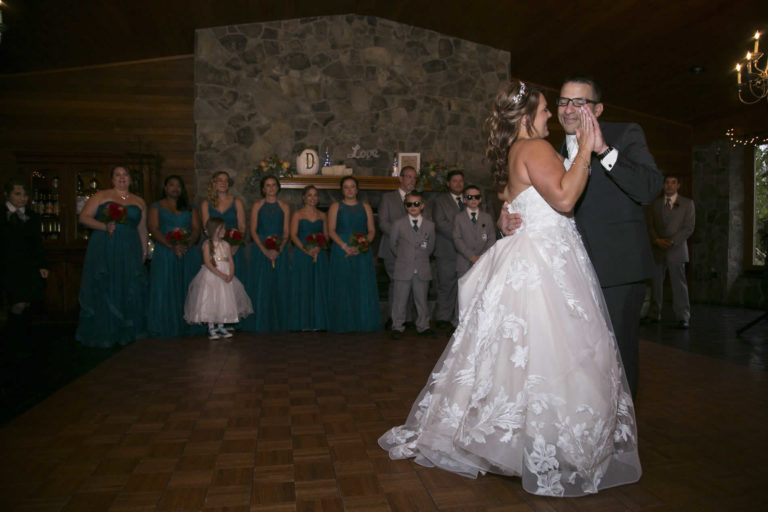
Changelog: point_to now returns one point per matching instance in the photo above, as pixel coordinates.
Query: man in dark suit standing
(672, 220)
(609, 214)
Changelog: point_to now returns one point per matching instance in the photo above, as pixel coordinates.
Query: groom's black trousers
(624, 304)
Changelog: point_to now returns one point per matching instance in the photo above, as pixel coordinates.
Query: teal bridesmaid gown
(113, 290)
(169, 278)
(268, 287)
(309, 284)
(353, 297)
(230, 218)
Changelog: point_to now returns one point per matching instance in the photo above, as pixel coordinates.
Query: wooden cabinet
(59, 186)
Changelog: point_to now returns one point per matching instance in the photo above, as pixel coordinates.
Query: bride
(531, 384)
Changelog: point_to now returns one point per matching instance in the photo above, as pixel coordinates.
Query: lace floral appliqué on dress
(531, 384)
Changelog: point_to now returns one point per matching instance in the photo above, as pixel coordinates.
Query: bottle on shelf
(80, 198)
(93, 184)
(35, 200)
(394, 163)
(45, 227)
(55, 229)
(55, 196)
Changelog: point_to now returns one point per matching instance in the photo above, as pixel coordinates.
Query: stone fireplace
(335, 83)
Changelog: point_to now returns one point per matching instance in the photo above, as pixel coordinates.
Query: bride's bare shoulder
(535, 145)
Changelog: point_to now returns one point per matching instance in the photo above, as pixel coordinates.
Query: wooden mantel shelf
(332, 182)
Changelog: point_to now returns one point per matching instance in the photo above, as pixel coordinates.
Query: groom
(609, 214)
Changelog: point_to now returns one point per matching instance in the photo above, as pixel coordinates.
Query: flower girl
(215, 295)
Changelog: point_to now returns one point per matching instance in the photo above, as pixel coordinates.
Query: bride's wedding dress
(531, 384)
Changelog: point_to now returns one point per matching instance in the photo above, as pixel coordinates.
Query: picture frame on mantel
(406, 159)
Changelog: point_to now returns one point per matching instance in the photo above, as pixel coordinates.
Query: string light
(746, 140)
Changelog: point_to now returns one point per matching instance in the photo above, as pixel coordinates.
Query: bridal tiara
(517, 97)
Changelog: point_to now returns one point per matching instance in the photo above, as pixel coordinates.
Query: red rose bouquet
(272, 242)
(233, 237)
(177, 236)
(316, 240)
(114, 212)
(359, 241)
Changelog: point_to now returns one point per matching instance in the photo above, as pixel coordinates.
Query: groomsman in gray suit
(473, 231)
(390, 210)
(673, 218)
(444, 210)
(412, 240)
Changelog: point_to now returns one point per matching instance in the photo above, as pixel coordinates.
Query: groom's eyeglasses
(408, 204)
(470, 197)
(577, 102)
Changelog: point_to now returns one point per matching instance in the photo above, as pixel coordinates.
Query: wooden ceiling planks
(642, 51)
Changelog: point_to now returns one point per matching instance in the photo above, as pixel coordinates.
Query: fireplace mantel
(332, 182)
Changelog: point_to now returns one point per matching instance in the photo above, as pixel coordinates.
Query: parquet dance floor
(290, 422)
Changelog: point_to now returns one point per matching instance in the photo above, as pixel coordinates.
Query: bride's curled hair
(511, 105)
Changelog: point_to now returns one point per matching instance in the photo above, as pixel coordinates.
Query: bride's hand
(585, 133)
(508, 222)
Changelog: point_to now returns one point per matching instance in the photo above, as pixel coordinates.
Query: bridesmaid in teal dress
(113, 290)
(268, 281)
(353, 297)
(309, 268)
(173, 265)
(220, 203)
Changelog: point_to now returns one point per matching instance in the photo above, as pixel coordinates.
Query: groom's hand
(600, 145)
(508, 222)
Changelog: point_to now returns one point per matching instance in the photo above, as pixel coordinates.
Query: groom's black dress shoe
(396, 335)
(682, 324)
(649, 320)
(442, 324)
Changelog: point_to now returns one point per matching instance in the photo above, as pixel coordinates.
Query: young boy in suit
(412, 240)
(474, 231)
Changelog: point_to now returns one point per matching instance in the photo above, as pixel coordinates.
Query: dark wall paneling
(118, 108)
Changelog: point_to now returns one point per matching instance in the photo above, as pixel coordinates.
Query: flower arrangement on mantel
(432, 174)
(270, 166)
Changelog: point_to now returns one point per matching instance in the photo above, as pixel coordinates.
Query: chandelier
(753, 86)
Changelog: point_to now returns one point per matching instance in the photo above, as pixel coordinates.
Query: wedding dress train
(531, 384)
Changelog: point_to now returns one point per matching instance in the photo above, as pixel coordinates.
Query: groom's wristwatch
(605, 153)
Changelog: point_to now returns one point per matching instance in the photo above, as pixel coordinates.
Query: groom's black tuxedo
(609, 213)
(610, 218)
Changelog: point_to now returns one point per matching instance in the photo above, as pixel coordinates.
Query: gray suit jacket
(472, 239)
(444, 210)
(676, 224)
(412, 249)
(390, 210)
